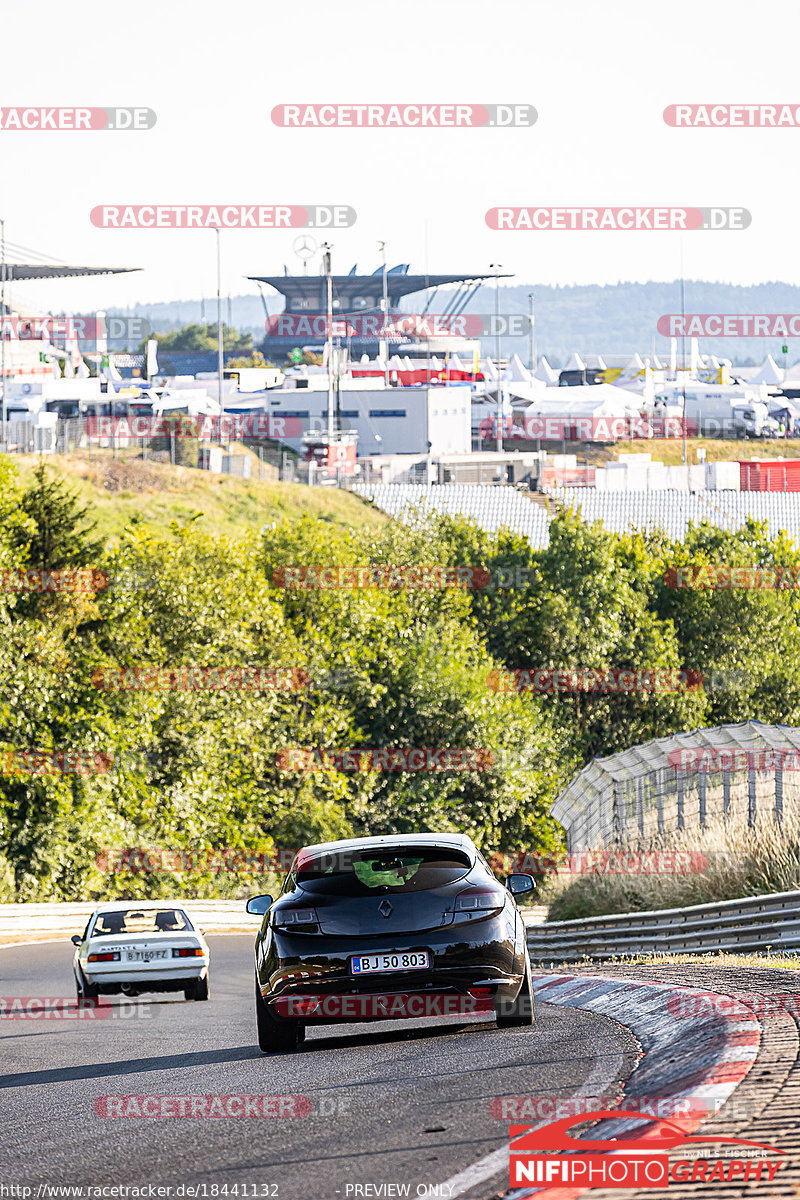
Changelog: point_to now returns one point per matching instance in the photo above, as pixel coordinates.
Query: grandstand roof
(16, 270)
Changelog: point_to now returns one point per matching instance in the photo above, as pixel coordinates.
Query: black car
(388, 927)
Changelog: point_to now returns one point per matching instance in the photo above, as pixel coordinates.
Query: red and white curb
(699, 1056)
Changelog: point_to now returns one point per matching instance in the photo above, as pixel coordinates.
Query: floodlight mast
(326, 259)
(3, 320)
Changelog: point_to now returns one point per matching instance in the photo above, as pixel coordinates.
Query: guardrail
(757, 923)
(42, 920)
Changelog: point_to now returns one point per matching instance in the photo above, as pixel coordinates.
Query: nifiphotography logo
(551, 1156)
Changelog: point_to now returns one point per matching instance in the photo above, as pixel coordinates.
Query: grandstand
(674, 511)
(493, 507)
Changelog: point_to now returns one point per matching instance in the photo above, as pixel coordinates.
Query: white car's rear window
(137, 920)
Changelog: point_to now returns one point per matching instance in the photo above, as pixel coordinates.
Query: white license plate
(407, 960)
(144, 955)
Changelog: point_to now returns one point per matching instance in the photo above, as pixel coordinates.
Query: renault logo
(385, 908)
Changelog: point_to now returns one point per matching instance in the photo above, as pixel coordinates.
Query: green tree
(59, 534)
(196, 337)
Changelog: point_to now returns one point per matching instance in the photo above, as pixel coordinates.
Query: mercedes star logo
(385, 908)
(304, 246)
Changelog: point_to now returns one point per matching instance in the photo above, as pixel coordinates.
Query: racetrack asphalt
(405, 1103)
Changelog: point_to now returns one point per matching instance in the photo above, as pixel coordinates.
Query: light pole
(220, 355)
(497, 267)
(384, 343)
(3, 319)
(326, 261)
(531, 342)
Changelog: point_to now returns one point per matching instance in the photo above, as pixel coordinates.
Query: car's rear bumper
(397, 999)
(145, 976)
(309, 977)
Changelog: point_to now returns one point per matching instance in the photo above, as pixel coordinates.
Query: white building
(416, 420)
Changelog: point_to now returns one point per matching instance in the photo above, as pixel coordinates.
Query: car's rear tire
(275, 1035)
(198, 989)
(84, 990)
(511, 1014)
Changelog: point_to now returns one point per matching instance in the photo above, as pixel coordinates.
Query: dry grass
(119, 490)
(730, 861)
(670, 450)
(719, 958)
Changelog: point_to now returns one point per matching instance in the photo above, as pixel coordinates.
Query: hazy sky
(599, 72)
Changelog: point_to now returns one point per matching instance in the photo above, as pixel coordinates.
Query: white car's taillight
(108, 957)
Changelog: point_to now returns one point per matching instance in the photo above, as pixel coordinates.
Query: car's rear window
(365, 872)
(137, 920)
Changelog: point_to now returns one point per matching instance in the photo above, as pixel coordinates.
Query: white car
(140, 946)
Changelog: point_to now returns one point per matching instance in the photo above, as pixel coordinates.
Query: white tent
(522, 393)
(516, 371)
(545, 372)
(633, 365)
(769, 372)
(454, 363)
(576, 363)
(592, 399)
(194, 401)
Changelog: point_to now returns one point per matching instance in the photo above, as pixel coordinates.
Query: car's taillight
(104, 957)
(300, 1006)
(293, 917)
(188, 952)
(476, 899)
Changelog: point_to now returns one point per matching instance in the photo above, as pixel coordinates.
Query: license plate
(144, 955)
(408, 960)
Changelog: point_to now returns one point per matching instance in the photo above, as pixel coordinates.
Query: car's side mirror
(258, 905)
(519, 883)
(76, 939)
